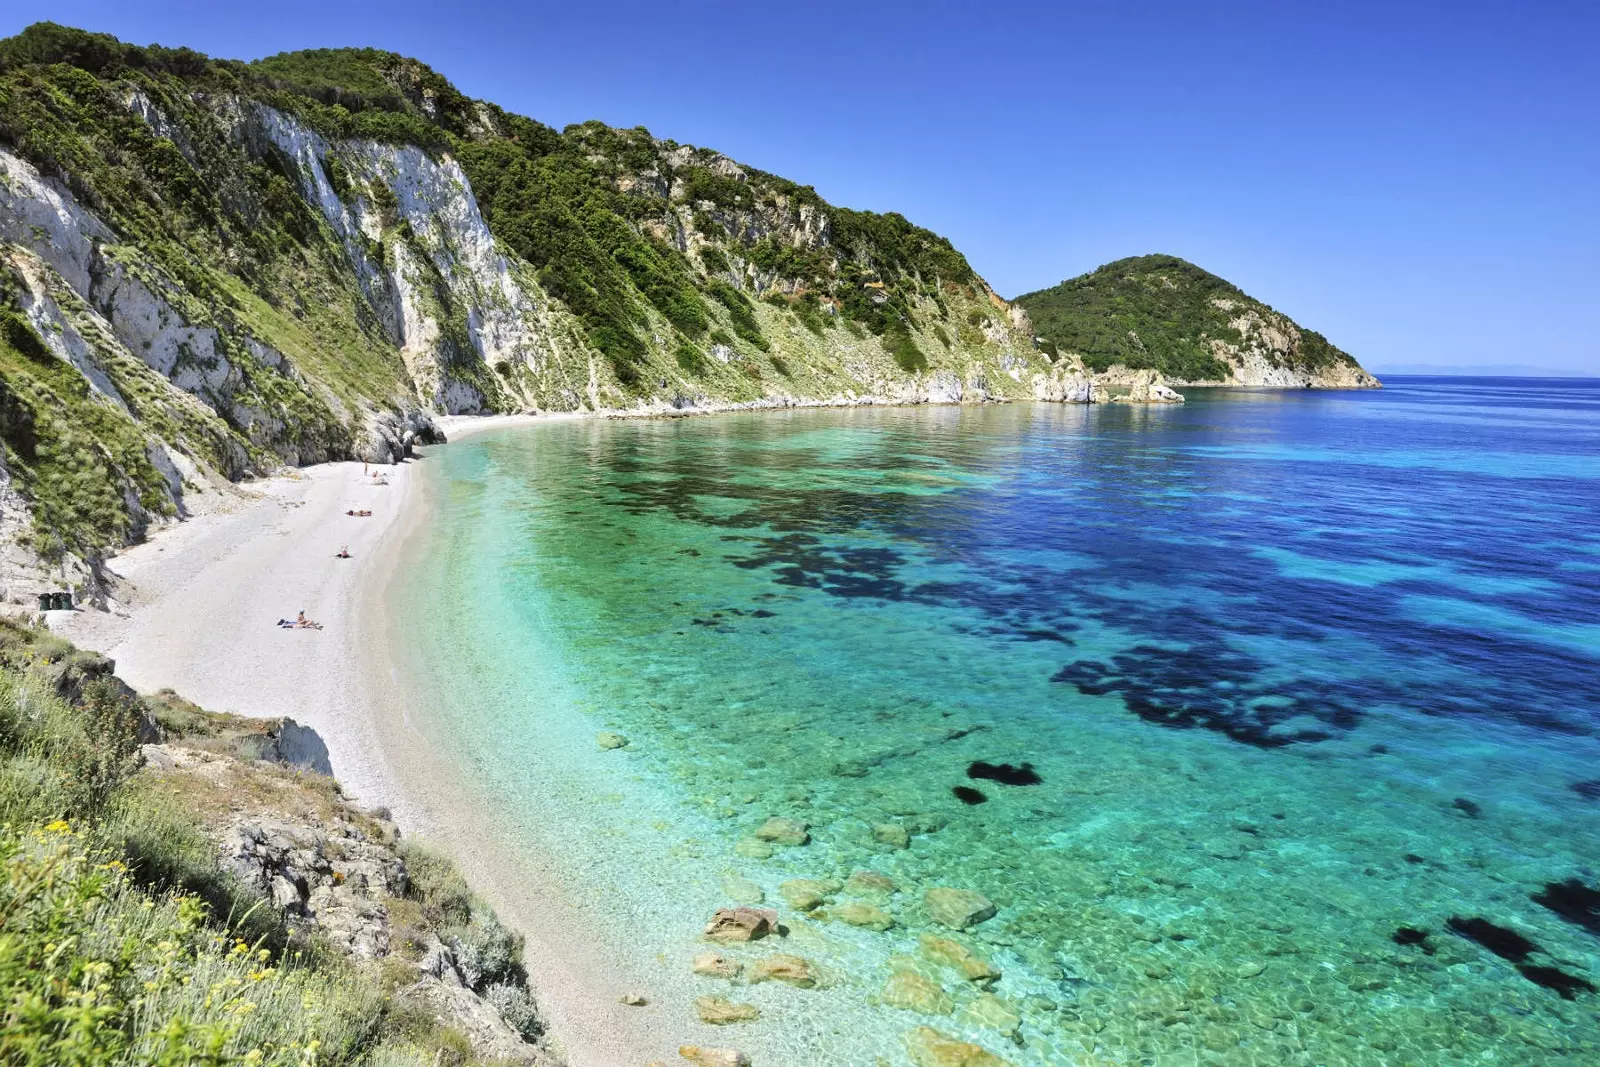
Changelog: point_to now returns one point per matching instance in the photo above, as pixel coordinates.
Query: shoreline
(201, 601)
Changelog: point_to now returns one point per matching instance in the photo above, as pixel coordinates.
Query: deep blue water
(1310, 683)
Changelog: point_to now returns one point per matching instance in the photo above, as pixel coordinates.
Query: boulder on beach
(720, 1012)
(804, 894)
(633, 1000)
(957, 908)
(609, 739)
(910, 991)
(866, 916)
(951, 953)
(930, 1048)
(741, 924)
(713, 1057)
(781, 831)
(795, 970)
(891, 834)
(716, 965)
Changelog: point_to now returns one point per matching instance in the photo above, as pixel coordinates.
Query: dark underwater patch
(1211, 687)
(1588, 790)
(1470, 808)
(1502, 941)
(1004, 773)
(1568, 986)
(1409, 936)
(968, 795)
(1573, 901)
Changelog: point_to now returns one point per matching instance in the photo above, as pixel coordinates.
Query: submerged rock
(910, 991)
(866, 916)
(713, 1057)
(930, 1048)
(608, 739)
(754, 849)
(804, 894)
(741, 924)
(891, 834)
(742, 890)
(952, 953)
(720, 1012)
(957, 908)
(990, 1011)
(871, 884)
(781, 831)
(715, 965)
(795, 970)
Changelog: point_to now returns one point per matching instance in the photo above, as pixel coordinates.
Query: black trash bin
(63, 601)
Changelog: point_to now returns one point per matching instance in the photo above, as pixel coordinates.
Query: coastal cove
(1264, 739)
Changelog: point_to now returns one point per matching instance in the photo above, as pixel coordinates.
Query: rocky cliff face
(208, 269)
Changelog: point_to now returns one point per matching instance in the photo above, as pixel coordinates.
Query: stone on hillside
(989, 1010)
(866, 916)
(803, 894)
(713, 1057)
(957, 908)
(741, 924)
(633, 1000)
(893, 835)
(952, 953)
(871, 884)
(715, 965)
(781, 831)
(608, 739)
(930, 1048)
(795, 970)
(720, 1012)
(912, 992)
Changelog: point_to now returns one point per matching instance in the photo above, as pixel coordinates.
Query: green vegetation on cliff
(1161, 312)
(124, 942)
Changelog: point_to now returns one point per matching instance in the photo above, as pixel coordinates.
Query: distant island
(1165, 314)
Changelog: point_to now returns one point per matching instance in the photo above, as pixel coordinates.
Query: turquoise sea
(1299, 694)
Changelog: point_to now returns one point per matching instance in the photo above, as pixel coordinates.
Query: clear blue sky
(1419, 181)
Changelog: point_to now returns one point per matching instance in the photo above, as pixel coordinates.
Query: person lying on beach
(359, 514)
(343, 553)
(303, 623)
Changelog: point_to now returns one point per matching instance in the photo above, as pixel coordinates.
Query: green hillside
(1165, 313)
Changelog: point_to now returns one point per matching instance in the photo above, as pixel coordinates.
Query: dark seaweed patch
(1212, 687)
(968, 795)
(1004, 773)
(1470, 808)
(763, 613)
(1574, 902)
(1410, 935)
(1588, 790)
(1502, 941)
(1567, 985)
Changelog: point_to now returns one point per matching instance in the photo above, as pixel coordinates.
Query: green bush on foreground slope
(122, 942)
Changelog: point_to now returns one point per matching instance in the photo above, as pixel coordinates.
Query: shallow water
(1298, 673)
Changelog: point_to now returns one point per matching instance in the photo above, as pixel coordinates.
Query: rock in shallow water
(871, 884)
(716, 965)
(930, 1048)
(795, 970)
(910, 991)
(720, 1012)
(957, 908)
(741, 924)
(952, 953)
(803, 894)
(781, 831)
(608, 739)
(713, 1057)
(865, 916)
(894, 836)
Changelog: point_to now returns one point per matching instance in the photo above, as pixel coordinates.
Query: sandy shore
(200, 605)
